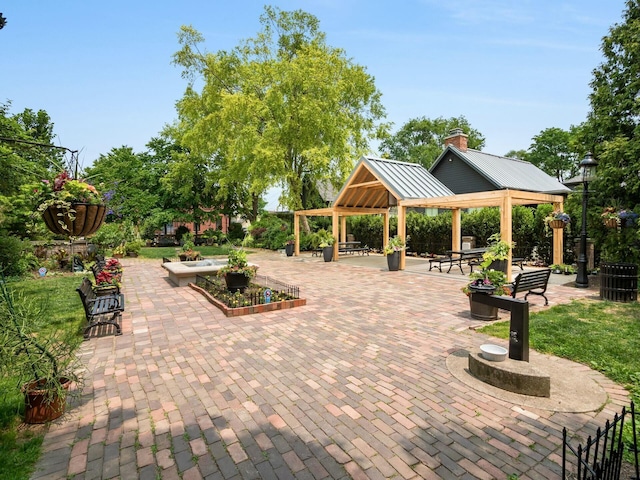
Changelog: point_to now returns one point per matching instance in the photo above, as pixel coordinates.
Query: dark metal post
(588, 164)
(582, 278)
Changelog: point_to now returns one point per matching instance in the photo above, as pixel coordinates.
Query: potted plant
(392, 251)
(488, 280)
(324, 240)
(43, 360)
(556, 268)
(188, 253)
(237, 272)
(610, 217)
(497, 253)
(61, 257)
(133, 247)
(557, 219)
(289, 245)
(120, 251)
(71, 207)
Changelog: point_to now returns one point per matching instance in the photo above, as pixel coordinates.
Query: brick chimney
(457, 138)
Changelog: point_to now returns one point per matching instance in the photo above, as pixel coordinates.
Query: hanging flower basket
(557, 224)
(78, 220)
(611, 222)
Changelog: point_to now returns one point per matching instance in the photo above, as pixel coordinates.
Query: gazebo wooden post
(343, 228)
(506, 227)
(558, 240)
(456, 229)
(385, 230)
(402, 233)
(336, 232)
(296, 234)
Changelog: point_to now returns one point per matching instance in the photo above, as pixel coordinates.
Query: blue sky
(103, 72)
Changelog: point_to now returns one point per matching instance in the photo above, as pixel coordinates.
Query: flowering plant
(628, 217)
(65, 190)
(237, 263)
(487, 278)
(558, 215)
(610, 212)
(107, 278)
(396, 244)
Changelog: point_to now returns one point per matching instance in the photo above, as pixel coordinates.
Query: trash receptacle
(619, 282)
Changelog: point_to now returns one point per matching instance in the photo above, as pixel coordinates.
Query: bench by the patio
(438, 261)
(100, 309)
(534, 281)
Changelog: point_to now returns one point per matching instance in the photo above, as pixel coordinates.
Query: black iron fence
(601, 456)
(262, 290)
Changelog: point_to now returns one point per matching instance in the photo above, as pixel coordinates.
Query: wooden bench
(534, 281)
(100, 309)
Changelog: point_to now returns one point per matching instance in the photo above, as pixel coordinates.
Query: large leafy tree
(131, 181)
(421, 140)
(281, 108)
(554, 151)
(613, 126)
(25, 160)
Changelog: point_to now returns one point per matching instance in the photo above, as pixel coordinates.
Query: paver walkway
(352, 385)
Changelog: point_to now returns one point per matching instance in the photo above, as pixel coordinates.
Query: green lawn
(172, 252)
(20, 447)
(603, 335)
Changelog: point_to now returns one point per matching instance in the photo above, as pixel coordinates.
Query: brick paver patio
(352, 385)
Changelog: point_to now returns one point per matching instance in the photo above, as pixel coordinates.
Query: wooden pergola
(368, 191)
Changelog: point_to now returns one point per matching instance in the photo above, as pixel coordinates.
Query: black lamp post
(588, 165)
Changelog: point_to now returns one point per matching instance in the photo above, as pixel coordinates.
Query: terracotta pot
(88, 218)
(557, 224)
(39, 407)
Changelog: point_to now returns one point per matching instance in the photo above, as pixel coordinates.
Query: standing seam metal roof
(511, 173)
(407, 180)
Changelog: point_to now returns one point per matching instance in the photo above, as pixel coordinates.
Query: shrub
(108, 235)
(16, 256)
(235, 232)
(270, 232)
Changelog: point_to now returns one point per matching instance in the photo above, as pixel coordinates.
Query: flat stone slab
(511, 375)
(573, 386)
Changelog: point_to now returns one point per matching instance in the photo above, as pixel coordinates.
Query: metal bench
(100, 309)
(534, 281)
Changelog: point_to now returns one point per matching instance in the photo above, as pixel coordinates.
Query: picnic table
(352, 247)
(457, 257)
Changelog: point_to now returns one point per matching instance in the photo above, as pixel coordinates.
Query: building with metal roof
(465, 170)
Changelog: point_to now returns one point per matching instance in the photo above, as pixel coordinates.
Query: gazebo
(376, 185)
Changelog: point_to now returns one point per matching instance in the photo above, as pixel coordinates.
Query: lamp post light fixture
(588, 165)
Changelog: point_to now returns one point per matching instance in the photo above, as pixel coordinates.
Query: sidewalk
(353, 385)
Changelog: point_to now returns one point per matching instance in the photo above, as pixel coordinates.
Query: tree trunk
(305, 224)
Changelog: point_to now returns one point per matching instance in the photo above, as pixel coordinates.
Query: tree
(612, 132)
(25, 160)
(281, 108)
(521, 154)
(554, 152)
(421, 140)
(131, 181)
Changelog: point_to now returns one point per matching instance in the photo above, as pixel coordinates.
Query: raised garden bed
(264, 294)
